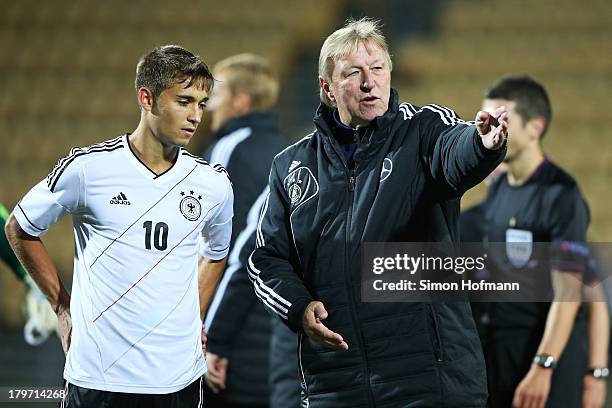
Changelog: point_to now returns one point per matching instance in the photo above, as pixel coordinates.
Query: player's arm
(33, 255)
(214, 245)
(6, 253)
(209, 275)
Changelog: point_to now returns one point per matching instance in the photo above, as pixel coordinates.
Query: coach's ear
(145, 99)
(325, 86)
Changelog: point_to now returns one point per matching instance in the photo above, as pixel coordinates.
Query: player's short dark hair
(167, 65)
(529, 96)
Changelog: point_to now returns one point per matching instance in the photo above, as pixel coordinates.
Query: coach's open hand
(493, 127)
(311, 322)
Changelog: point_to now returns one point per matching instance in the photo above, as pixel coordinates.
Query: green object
(6, 252)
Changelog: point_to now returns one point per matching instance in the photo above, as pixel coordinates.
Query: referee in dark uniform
(537, 353)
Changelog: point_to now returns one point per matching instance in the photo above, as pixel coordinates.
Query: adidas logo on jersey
(120, 199)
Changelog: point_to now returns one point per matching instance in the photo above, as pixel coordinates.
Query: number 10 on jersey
(159, 237)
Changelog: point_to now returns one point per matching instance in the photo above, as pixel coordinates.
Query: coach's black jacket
(308, 248)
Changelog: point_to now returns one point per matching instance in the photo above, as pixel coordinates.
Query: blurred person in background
(152, 225)
(472, 229)
(246, 139)
(379, 171)
(536, 353)
(41, 322)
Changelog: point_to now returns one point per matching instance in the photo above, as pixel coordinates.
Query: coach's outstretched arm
(274, 269)
(459, 154)
(33, 255)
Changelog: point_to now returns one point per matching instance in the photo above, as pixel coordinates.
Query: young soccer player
(142, 209)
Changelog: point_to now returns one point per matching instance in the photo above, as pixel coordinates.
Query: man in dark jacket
(373, 171)
(247, 138)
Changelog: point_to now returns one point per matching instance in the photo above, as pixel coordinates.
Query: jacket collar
(327, 124)
(259, 120)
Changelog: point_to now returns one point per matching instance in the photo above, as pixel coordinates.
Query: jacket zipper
(347, 275)
(439, 349)
(304, 397)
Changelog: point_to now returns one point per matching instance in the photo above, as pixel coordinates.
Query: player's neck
(524, 165)
(157, 157)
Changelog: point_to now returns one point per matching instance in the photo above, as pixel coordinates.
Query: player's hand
(204, 339)
(533, 391)
(64, 326)
(493, 127)
(594, 394)
(311, 322)
(217, 372)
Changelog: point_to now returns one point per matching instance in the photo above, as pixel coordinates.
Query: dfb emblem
(387, 168)
(190, 206)
(301, 186)
(295, 193)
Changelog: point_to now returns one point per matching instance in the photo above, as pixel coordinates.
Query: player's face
(178, 112)
(221, 104)
(518, 136)
(361, 85)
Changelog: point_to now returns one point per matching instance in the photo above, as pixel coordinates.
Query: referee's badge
(190, 206)
(519, 246)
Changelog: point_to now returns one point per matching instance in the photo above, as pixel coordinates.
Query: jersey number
(160, 236)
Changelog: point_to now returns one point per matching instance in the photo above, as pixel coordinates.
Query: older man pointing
(380, 171)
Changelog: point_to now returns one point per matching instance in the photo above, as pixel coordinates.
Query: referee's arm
(534, 388)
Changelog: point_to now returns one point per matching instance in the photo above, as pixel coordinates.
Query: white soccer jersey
(135, 307)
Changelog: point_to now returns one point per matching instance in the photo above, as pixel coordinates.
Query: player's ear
(145, 99)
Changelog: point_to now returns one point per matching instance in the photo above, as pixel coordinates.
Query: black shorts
(78, 397)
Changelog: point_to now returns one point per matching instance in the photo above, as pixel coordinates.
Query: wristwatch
(544, 361)
(600, 373)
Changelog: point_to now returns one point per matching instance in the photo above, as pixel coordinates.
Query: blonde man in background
(245, 142)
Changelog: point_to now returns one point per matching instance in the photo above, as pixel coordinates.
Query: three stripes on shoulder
(448, 116)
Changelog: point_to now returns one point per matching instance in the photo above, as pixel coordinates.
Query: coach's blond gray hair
(343, 41)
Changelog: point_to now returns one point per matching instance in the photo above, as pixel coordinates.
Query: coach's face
(178, 112)
(360, 85)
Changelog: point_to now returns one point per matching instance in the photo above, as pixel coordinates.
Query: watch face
(544, 361)
(601, 372)
(548, 361)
